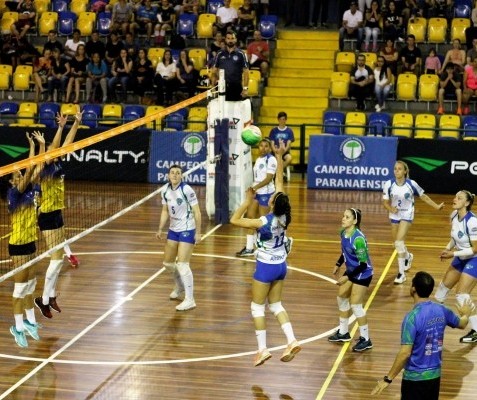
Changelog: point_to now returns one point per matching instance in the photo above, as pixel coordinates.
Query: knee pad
(400, 246)
(258, 310)
(276, 308)
(183, 268)
(462, 298)
(343, 304)
(31, 286)
(441, 293)
(20, 290)
(171, 267)
(358, 310)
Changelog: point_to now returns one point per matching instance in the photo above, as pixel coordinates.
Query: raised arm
(279, 151)
(70, 137)
(61, 120)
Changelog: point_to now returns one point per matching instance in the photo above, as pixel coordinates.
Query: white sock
(30, 313)
(401, 264)
(51, 278)
(288, 331)
(67, 250)
(473, 322)
(19, 322)
(250, 242)
(364, 331)
(344, 325)
(261, 339)
(441, 293)
(178, 280)
(188, 284)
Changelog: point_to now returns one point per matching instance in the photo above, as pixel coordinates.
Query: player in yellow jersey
(50, 218)
(21, 245)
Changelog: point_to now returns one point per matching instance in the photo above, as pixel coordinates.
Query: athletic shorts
(268, 273)
(184, 236)
(50, 220)
(263, 199)
(22, 249)
(420, 390)
(361, 282)
(468, 266)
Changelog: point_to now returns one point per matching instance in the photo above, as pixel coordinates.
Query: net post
(221, 88)
(221, 148)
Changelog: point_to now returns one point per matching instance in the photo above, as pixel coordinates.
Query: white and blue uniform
(402, 197)
(263, 166)
(463, 232)
(271, 252)
(179, 202)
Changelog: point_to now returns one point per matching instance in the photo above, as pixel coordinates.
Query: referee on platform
(234, 62)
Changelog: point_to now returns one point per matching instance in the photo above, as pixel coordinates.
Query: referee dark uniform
(234, 62)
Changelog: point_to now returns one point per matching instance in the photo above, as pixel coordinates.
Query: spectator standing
(314, 11)
(362, 82)
(352, 26)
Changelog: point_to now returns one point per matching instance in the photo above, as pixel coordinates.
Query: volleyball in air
(251, 135)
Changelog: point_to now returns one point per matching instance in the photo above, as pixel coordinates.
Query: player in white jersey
(462, 248)
(398, 199)
(271, 267)
(180, 205)
(264, 170)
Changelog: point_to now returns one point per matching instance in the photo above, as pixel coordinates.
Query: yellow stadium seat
(428, 87)
(458, 27)
(345, 60)
(449, 126)
(371, 59)
(339, 85)
(41, 6)
(437, 30)
(5, 77)
(358, 120)
(425, 125)
(78, 6)
(198, 58)
(112, 114)
(406, 87)
(197, 119)
(69, 109)
(418, 28)
(204, 26)
(156, 124)
(22, 77)
(47, 22)
(254, 77)
(236, 4)
(86, 22)
(402, 125)
(26, 114)
(155, 54)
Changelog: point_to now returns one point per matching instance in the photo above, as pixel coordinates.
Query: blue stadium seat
(463, 8)
(133, 112)
(66, 23)
(470, 126)
(184, 112)
(379, 124)
(104, 23)
(214, 5)
(59, 6)
(9, 108)
(333, 122)
(175, 121)
(47, 114)
(268, 26)
(186, 25)
(91, 115)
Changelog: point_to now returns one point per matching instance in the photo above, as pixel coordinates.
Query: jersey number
(279, 240)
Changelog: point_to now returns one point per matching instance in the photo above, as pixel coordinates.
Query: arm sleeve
(340, 261)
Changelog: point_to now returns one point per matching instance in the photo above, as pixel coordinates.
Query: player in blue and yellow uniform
(462, 249)
(355, 281)
(21, 246)
(273, 247)
(50, 218)
(180, 205)
(398, 199)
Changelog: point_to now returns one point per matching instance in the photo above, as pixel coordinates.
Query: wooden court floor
(119, 336)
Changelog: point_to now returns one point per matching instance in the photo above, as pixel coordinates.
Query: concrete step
(279, 81)
(296, 91)
(294, 102)
(314, 64)
(324, 35)
(300, 73)
(316, 45)
(305, 54)
(294, 113)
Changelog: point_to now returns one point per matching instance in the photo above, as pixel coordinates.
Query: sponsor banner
(185, 149)
(350, 162)
(123, 158)
(441, 166)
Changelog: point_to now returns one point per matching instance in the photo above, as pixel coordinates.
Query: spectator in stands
(456, 56)
(315, 6)
(258, 53)
(352, 26)
(41, 73)
(472, 53)
(440, 8)
(234, 63)
(391, 55)
(393, 24)
(26, 52)
(165, 79)
(113, 48)
(121, 73)
(383, 83)
(284, 133)
(166, 18)
(142, 74)
(450, 86)
(470, 85)
(53, 41)
(58, 79)
(78, 65)
(411, 56)
(190, 7)
(215, 46)
(227, 18)
(72, 44)
(410, 10)
(131, 45)
(471, 32)
(186, 74)
(97, 72)
(246, 22)
(95, 45)
(361, 83)
(8, 49)
(146, 17)
(26, 18)
(371, 26)
(432, 65)
(123, 17)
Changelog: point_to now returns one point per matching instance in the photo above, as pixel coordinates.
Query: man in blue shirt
(422, 338)
(284, 133)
